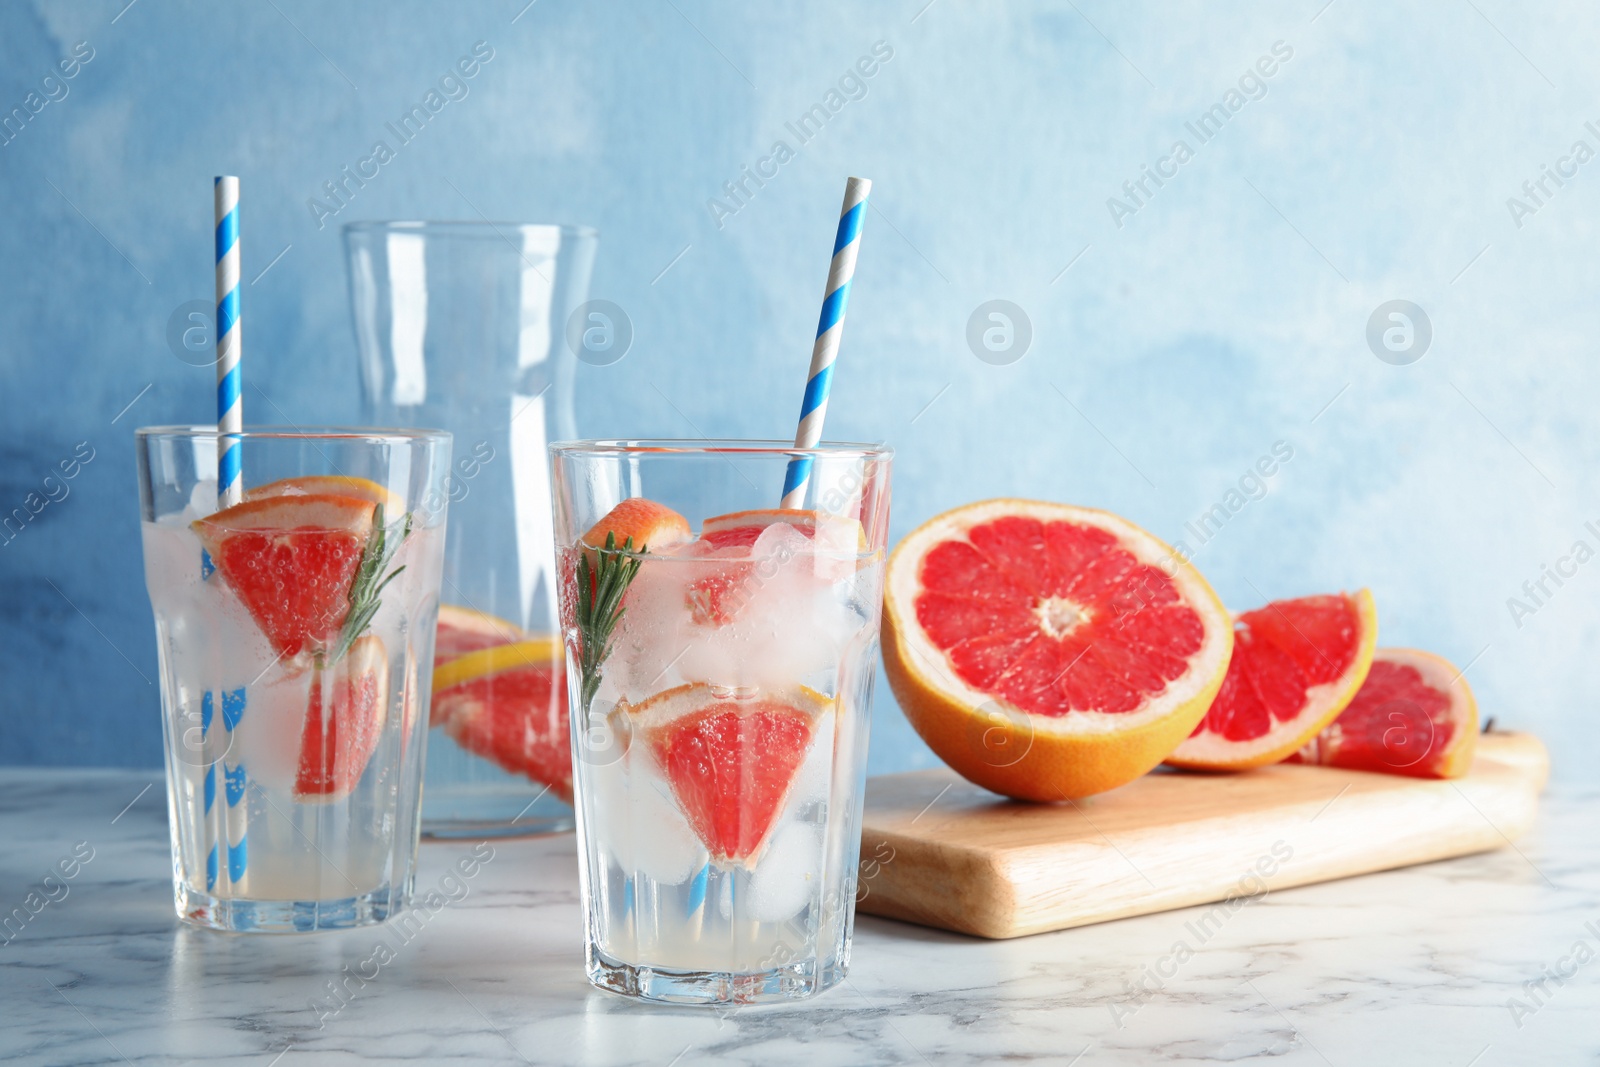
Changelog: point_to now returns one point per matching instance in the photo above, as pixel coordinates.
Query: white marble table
(1422, 966)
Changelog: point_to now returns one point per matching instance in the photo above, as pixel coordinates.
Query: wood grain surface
(937, 850)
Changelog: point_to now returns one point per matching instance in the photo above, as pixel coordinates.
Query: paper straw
(207, 714)
(814, 407)
(230, 490)
(230, 408)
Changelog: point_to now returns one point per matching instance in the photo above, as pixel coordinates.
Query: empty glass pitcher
(464, 326)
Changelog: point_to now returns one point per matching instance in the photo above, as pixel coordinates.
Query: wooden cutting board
(940, 851)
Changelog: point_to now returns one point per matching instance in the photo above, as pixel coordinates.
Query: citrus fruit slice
(832, 533)
(831, 545)
(508, 704)
(729, 761)
(648, 523)
(1046, 651)
(344, 721)
(462, 630)
(1296, 665)
(292, 560)
(327, 485)
(1414, 715)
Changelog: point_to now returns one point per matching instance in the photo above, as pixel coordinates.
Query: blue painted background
(1175, 338)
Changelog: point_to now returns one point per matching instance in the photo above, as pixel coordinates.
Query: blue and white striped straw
(814, 408)
(230, 407)
(230, 491)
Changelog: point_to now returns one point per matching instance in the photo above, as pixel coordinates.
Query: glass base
(794, 981)
(477, 829)
(286, 916)
(506, 807)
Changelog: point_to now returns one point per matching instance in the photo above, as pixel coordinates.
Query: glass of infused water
(721, 652)
(295, 633)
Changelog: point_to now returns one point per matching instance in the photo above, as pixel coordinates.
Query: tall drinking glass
(465, 326)
(294, 630)
(720, 660)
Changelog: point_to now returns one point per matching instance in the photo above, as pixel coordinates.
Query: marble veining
(1484, 960)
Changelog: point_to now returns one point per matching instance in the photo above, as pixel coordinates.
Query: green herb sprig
(600, 590)
(366, 585)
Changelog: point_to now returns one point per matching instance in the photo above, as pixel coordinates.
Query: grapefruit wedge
(1046, 651)
(292, 560)
(508, 704)
(730, 762)
(328, 485)
(832, 533)
(1414, 715)
(648, 523)
(1296, 665)
(344, 721)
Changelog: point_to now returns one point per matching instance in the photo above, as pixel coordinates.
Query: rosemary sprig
(366, 585)
(600, 590)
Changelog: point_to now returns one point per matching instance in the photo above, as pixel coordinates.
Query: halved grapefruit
(508, 704)
(1414, 715)
(1046, 651)
(292, 560)
(1296, 665)
(729, 760)
(344, 721)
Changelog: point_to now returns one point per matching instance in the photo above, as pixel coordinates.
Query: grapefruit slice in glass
(1046, 651)
(328, 485)
(828, 547)
(649, 524)
(292, 560)
(1296, 665)
(1414, 715)
(730, 761)
(833, 533)
(344, 721)
(508, 704)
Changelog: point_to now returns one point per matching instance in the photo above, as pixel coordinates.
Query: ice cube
(237, 651)
(266, 740)
(787, 630)
(768, 615)
(214, 641)
(637, 820)
(788, 874)
(202, 500)
(655, 627)
(815, 775)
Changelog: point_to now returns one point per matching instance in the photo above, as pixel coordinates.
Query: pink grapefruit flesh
(1296, 665)
(730, 763)
(1414, 715)
(291, 559)
(344, 721)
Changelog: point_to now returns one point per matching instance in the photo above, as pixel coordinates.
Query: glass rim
(466, 227)
(297, 433)
(719, 446)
